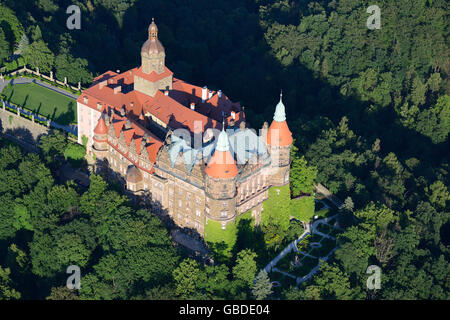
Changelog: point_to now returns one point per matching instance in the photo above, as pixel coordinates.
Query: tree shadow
(22, 134)
(67, 117)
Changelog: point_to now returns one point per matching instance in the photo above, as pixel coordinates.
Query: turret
(152, 53)
(220, 186)
(279, 141)
(153, 75)
(100, 146)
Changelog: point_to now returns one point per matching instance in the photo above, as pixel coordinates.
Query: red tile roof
(173, 109)
(221, 165)
(279, 134)
(101, 128)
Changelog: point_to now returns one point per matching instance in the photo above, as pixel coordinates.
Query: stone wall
(21, 128)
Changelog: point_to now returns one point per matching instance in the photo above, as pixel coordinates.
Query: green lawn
(222, 241)
(42, 101)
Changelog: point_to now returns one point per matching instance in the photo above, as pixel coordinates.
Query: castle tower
(279, 141)
(152, 52)
(100, 138)
(220, 185)
(153, 74)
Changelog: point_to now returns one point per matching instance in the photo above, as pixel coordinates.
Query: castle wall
(87, 120)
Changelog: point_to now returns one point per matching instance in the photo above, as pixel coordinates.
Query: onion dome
(152, 45)
(134, 175)
(101, 128)
(279, 134)
(222, 164)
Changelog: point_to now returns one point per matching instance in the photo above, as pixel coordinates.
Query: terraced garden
(313, 247)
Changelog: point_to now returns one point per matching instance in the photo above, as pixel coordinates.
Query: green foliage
(245, 268)
(75, 153)
(302, 176)
(4, 47)
(38, 55)
(75, 69)
(439, 194)
(262, 287)
(53, 145)
(333, 283)
(62, 293)
(6, 291)
(221, 241)
(187, 276)
(275, 217)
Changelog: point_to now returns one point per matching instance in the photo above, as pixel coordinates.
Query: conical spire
(280, 110)
(223, 143)
(101, 127)
(222, 164)
(279, 133)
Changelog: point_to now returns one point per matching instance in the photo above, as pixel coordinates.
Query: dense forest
(370, 109)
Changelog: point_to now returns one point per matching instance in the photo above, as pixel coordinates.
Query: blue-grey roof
(243, 145)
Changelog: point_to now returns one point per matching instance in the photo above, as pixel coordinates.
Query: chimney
(122, 112)
(128, 124)
(166, 92)
(117, 89)
(85, 100)
(103, 83)
(233, 115)
(192, 106)
(204, 93)
(219, 93)
(99, 106)
(210, 94)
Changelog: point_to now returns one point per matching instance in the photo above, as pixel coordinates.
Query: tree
(38, 55)
(4, 47)
(90, 200)
(53, 145)
(6, 291)
(62, 293)
(348, 204)
(333, 283)
(245, 268)
(75, 69)
(438, 194)
(302, 176)
(376, 215)
(187, 278)
(22, 44)
(262, 286)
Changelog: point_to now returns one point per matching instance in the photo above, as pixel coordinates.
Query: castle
(141, 123)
